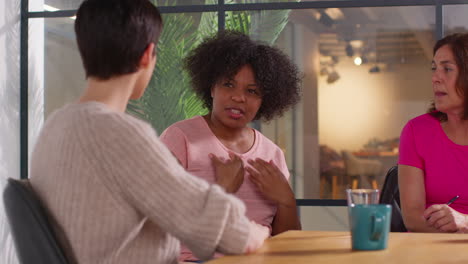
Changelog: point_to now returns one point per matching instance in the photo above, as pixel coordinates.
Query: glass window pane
(54, 5)
(9, 98)
(64, 77)
(376, 76)
(347, 110)
(57, 76)
(366, 73)
(9, 114)
(454, 23)
(169, 97)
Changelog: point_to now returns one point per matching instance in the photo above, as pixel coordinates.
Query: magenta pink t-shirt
(192, 140)
(424, 145)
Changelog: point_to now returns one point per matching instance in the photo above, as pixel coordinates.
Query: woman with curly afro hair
(239, 80)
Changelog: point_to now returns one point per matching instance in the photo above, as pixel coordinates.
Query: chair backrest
(351, 163)
(33, 236)
(391, 195)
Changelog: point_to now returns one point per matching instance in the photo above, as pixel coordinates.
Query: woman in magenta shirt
(433, 162)
(239, 80)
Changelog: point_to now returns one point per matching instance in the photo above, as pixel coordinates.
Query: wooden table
(335, 247)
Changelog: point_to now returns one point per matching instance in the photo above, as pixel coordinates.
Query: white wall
(363, 105)
(9, 112)
(452, 20)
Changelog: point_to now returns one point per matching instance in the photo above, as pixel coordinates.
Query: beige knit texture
(117, 195)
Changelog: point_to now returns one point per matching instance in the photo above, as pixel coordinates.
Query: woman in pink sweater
(433, 162)
(114, 192)
(239, 81)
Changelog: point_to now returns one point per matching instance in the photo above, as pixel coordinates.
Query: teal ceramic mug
(370, 225)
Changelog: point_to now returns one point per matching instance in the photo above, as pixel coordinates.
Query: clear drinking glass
(362, 196)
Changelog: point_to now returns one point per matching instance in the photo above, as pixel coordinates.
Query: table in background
(335, 247)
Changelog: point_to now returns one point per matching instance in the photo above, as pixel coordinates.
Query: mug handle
(377, 226)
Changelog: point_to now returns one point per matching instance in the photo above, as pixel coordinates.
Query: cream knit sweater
(117, 195)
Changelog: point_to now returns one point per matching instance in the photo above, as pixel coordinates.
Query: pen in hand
(448, 203)
(452, 200)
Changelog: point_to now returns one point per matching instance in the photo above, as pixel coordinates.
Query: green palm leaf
(168, 97)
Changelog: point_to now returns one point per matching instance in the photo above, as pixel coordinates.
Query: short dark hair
(458, 43)
(113, 34)
(224, 54)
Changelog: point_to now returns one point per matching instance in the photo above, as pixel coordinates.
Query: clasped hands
(265, 175)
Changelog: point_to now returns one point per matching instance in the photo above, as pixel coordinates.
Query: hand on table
(229, 172)
(257, 236)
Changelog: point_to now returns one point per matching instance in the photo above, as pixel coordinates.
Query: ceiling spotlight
(325, 19)
(357, 61)
(335, 13)
(374, 69)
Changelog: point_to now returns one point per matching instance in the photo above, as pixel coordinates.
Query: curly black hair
(223, 55)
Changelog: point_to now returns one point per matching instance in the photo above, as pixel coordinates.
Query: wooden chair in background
(360, 170)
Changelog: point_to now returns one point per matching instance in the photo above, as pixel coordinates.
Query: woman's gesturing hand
(271, 182)
(229, 172)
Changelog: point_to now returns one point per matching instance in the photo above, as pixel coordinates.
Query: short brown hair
(458, 43)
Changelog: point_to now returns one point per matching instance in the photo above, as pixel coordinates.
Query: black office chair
(391, 195)
(33, 237)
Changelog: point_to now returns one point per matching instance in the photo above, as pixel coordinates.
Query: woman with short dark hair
(114, 191)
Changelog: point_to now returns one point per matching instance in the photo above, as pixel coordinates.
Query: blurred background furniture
(387, 158)
(361, 171)
(331, 173)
